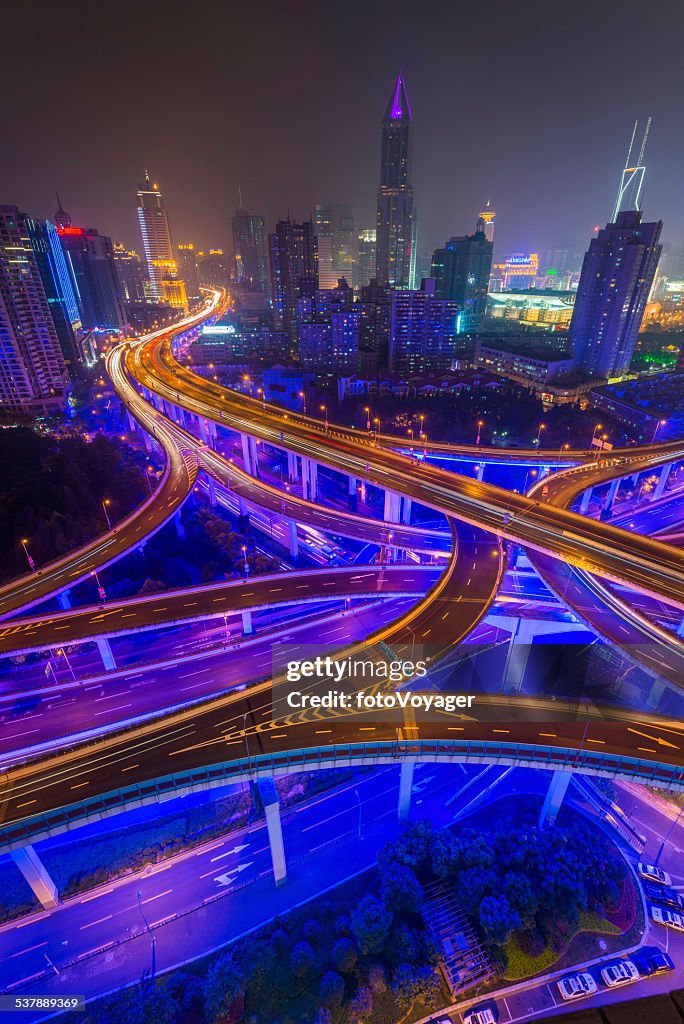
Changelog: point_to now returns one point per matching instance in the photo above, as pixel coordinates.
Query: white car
(576, 986)
(481, 1015)
(654, 874)
(661, 915)
(621, 972)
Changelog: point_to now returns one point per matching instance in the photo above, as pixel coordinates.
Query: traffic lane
(116, 698)
(197, 603)
(601, 547)
(240, 725)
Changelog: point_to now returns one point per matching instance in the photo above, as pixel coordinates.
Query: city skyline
(464, 154)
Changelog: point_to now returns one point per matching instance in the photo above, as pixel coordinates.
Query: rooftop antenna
(632, 177)
(240, 195)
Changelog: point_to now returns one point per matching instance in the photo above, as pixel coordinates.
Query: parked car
(576, 986)
(667, 917)
(664, 894)
(654, 874)
(651, 961)
(620, 972)
(484, 1013)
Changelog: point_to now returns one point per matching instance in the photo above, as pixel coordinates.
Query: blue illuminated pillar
(555, 794)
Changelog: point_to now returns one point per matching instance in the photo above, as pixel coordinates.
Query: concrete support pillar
(351, 485)
(406, 507)
(212, 491)
(612, 494)
(517, 656)
(147, 441)
(680, 628)
(180, 529)
(106, 653)
(254, 455)
(544, 471)
(558, 787)
(392, 512)
(132, 425)
(247, 627)
(586, 500)
(64, 600)
(479, 471)
(292, 467)
(204, 436)
(309, 479)
(33, 870)
(405, 787)
(242, 506)
(656, 692)
(212, 432)
(246, 454)
(269, 797)
(662, 481)
(293, 537)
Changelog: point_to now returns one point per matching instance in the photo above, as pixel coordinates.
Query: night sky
(529, 104)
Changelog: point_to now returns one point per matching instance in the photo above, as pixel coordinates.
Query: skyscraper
(156, 237)
(334, 229)
(422, 331)
(187, 269)
(396, 222)
(60, 294)
(250, 252)
(616, 278)
(488, 216)
(365, 257)
(32, 369)
(130, 273)
(90, 258)
(294, 270)
(461, 271)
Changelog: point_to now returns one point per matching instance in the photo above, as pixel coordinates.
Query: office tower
(488, 216)
(250, 252)
(334, 229)
(90, 258)
(156, 237)
(461, 272)
(294, 270)
(130, 273)
(187, 270)
(61, 297)
(213, 269)
(32, 369)
(396, 224)
(365, 257)
(374, 328)
(615, 282)
(422, 331)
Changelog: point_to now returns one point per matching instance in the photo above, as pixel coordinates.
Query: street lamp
(29, 559)
(367, 412)
(667, 836)
(151, 934)
(244, 555)
(542, 426)
(356, 794)
(324, 410)
(105, 502)
(302, 395)
(480, 425)
(599, 426)
(101, 592)
(660, 423)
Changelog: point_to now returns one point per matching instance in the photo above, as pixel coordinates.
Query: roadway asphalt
(647, 564)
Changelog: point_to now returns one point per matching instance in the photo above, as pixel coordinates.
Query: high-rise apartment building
(33, 374)
(187, 270)
(422, 331)
(61, 297)
(461, 272)
(156, 237)
(396, 220)
(615, 282)
(250, 252)
(90, 258)
(365, 257)
(293, 253)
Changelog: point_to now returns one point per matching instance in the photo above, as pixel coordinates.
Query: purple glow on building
(400, 103)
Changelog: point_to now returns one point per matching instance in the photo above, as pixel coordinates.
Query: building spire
(632, 177)
(398, 108)
(62, 218)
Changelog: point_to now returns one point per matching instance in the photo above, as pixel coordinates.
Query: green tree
(332, 990)
(370, 924)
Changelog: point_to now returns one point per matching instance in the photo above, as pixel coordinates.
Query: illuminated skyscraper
(250, 252)
(461, 271)
(365, 257)
(617, 275)
(187, 269)
(488, 216)
(130, 273)
(293, 252)
(422, 332)
(156, 237)
(32, 369)
(90, 258)
(396, 221)
(334, 229)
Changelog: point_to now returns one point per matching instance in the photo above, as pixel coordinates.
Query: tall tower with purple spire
(396, 219)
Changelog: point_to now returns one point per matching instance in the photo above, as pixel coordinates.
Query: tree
(344, 955)
(323, 1016)
(332, 990)
(400, 889)
(223, 987)
(302, 959)
(498, 918)
(411, 983)
(370, 924)
(361, 1006)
